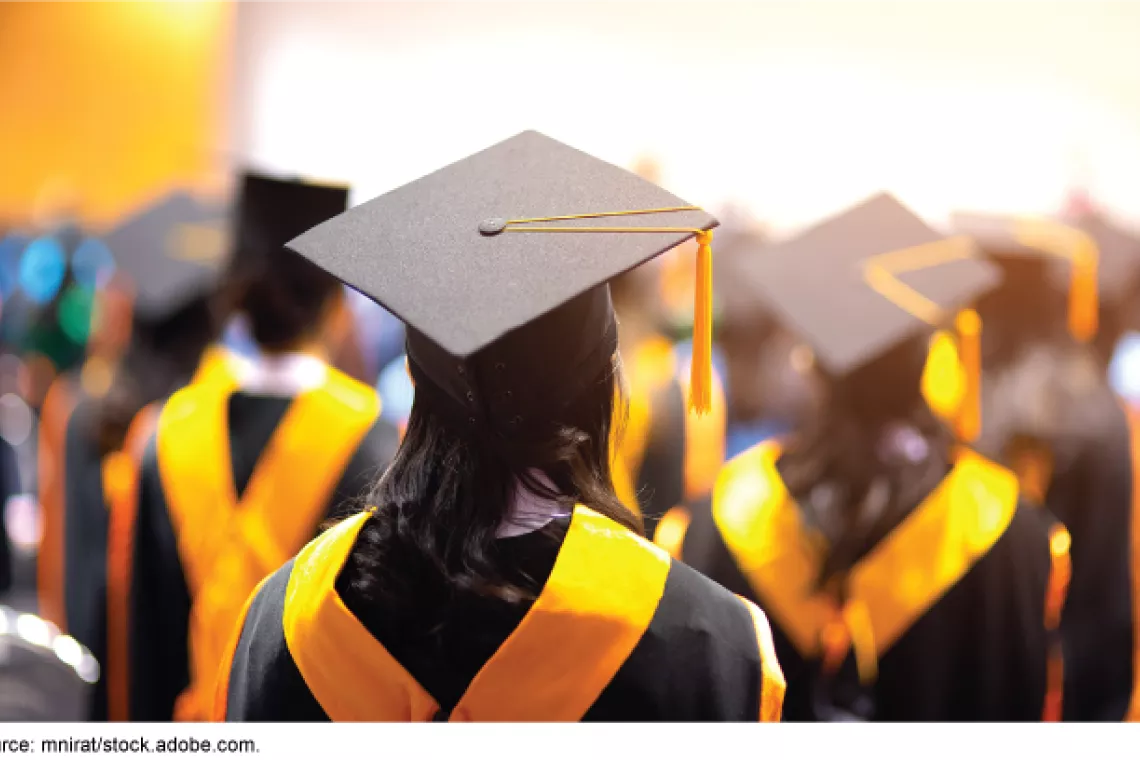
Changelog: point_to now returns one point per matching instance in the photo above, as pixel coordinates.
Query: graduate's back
(1051, 416)
(238, 475)
(902, 576)
(498, 575)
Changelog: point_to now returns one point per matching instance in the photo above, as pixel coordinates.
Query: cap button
(492, 226)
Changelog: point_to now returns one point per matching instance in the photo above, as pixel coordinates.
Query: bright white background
(794, 108)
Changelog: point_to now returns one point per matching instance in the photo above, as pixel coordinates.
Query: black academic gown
(649, 466)
(671, 456)
(685, 649)
(85, 543)
(1093, 497)
(661, 471)
(160, 599)
(956, 597)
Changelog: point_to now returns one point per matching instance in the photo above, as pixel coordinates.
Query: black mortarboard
(273, 210)
(1118, 253)
(172, 251)
(1090, 259)
(498, 265)
(858, 284)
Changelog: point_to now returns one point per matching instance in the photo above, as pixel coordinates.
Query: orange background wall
(109, 103)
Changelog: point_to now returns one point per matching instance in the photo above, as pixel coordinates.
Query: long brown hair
(870, 453)
(439, 505)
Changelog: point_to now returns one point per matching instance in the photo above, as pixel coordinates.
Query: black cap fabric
(860, 283)
(273, 210)
(173, 251)
(1010, 237)
(452, 255)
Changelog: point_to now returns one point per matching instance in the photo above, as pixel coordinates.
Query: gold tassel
(1083, 300)
(700, 372)
(968, 422)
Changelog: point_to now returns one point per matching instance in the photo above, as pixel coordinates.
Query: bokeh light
(43, 267)
(92, 263)
(75, 312)
(15, 419)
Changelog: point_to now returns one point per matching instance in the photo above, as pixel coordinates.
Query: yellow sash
(600, 598)
(227, 546)
(705, 439)
(649, 367)
(59, 402)
(922, 558)
(1134, 428)
(120, 493)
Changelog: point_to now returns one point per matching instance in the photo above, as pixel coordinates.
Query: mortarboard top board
(860, 283)
(172, 250)
(1090, 259)
(273, 210)
(481, 260)
(1118, 256)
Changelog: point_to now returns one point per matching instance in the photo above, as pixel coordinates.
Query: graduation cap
(864, 281)
(498, 264)
(173, 251)
(1118, 256)
(273, 210)
(1091, 260)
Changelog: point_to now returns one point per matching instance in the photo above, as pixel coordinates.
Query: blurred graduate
(238, 476)
(1049, 412)
(498, 575)
(168, 257)
(905, 578)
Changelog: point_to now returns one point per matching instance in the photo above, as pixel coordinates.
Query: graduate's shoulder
(706, 655)
(264, 683)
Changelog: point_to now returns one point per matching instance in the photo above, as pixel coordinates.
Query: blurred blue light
(1124, 369)
(92, 263)
(42, 269)
(396, 391)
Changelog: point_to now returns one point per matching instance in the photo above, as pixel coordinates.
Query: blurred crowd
(102, 324)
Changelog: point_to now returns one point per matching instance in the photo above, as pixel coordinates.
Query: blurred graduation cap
(498, 265)
(1090, 258)
(738, 250)
(273, 210)
(860, 283)
(173, 252)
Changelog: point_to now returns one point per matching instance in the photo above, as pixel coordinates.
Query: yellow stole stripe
(599, 600)
(120, 492)
(899, 580)
(649, 367)
(772, 683)
(59, 403)
(1133, 416)
(704, 440)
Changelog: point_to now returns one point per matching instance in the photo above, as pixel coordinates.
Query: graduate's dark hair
(1039, 383)
(440, 503)
(871, 451)
(160, 357)
(282, 294)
